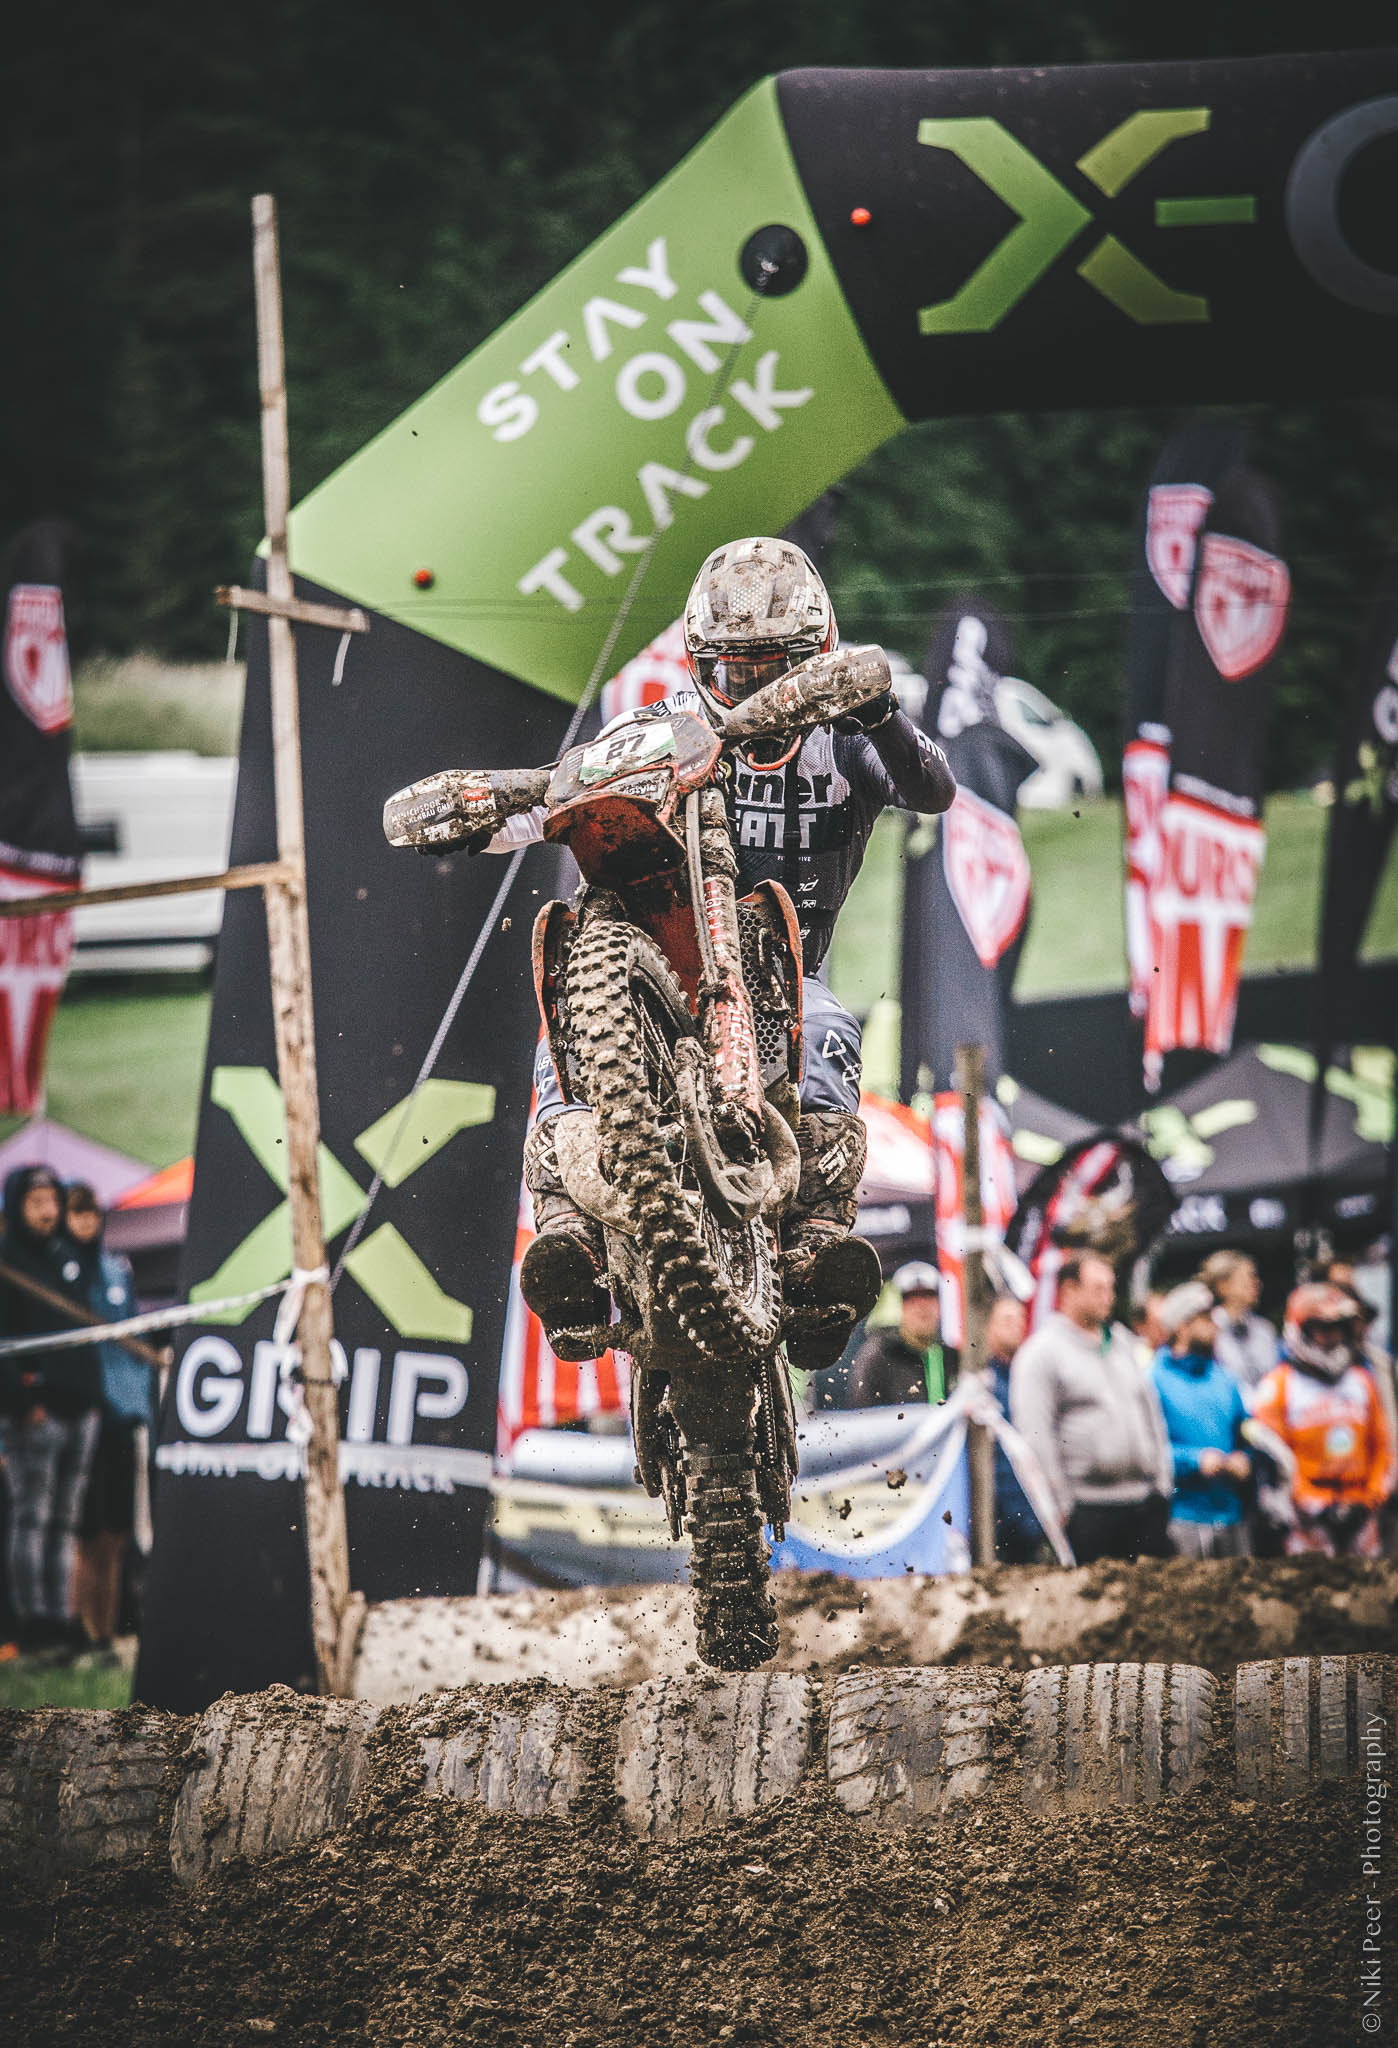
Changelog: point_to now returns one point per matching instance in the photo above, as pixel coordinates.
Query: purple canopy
(41, 1142)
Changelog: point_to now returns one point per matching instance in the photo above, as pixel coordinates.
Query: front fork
(725, 1005)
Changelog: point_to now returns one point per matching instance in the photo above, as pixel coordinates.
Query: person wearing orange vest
(1322, 1402)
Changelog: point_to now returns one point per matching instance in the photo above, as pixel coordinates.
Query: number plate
(622, 753)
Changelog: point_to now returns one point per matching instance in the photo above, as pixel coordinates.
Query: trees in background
(434, 167)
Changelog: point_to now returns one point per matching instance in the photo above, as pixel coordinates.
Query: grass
(1076, 940)
(23, 1684)
(125, 1066)
(141, 703)
(126, 1061)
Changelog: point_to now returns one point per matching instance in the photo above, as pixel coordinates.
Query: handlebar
(822, 689)
(457, 804)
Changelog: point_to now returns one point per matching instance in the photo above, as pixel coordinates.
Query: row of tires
(253, 1776)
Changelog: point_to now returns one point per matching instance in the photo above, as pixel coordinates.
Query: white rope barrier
(153, 1319)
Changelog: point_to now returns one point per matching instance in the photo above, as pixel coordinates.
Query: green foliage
(434, 167)
(143, 703)
(125, 1065)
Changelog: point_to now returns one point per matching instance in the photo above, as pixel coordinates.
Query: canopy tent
(42, 1142)
(897, 1211)
(1234, 1146)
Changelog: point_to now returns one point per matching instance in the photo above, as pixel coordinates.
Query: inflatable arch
(845, 253)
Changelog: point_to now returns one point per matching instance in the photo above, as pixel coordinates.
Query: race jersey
(805, 825)
(1337, 1431)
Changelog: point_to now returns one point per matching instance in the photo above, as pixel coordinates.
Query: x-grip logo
(1050, 217)
(384, 1264)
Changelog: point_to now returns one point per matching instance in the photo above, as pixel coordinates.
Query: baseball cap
(1181, 1304)
(917, 1277)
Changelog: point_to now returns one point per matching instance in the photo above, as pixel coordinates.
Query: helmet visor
(733, 677)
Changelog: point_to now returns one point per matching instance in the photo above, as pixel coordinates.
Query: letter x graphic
(384, 1264)
(1050, 217)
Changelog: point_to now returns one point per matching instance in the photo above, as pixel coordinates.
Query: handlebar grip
(457, 804)
(822, 689)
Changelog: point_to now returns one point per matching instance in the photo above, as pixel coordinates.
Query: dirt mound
(1218, 1614)
(1200, 1922)
(1205, 1920)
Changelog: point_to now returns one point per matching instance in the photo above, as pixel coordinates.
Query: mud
(1198, 1923)
(1216, 1613)
(1206, 1921)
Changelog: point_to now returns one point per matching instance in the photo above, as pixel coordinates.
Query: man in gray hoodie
(1080, 1397)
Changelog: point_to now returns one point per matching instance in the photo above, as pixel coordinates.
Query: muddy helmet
(1321, 1330)
(757, 609)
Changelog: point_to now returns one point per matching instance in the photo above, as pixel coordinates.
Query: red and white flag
(34, 956)
(1200, 909)
(998, 1197)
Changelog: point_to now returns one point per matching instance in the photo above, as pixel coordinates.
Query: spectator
(1245, 1344)
(903, 1361)
(1146, 1327)
(105, 1287)
(1204, 1415)
(1322, 1402)
(48, 1417)
(1084, 1405)
(1018, 1537)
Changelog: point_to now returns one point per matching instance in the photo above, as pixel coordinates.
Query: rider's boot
(823, 1266)
(563, 1273)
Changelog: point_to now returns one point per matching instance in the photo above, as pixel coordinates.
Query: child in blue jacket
(1204, 1417)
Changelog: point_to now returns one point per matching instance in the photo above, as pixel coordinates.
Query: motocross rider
(757, 609)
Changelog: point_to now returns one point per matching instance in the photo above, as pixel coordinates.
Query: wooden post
(288, 934)
(970, 1061)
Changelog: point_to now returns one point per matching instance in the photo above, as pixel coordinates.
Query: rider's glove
(869, 717)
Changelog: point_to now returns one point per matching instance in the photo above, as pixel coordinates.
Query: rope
(594, 681)
(131, 1326)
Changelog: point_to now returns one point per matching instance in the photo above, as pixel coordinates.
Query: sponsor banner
(39, 845)
(1219, 679)
(420, 1306)
(997, 1197)
(1201, 686)
(746, 334)
(36, 655)
(1089, 235)
(34, 956)
(965, 900)
(1200, 910)
(1362, 815)
(1241, 595)
(1177, 500)
(1174, 514)
(987, 871)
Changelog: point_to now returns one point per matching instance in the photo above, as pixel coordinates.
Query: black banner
(38, 832)
(419, 1313)
(1361, 826)
(1080, 236)
(1218, 690)
(39, 842)
(1199, 867)
(966, 882)
(1178, 497)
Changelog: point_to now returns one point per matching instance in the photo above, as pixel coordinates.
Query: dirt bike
(673, 1015)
